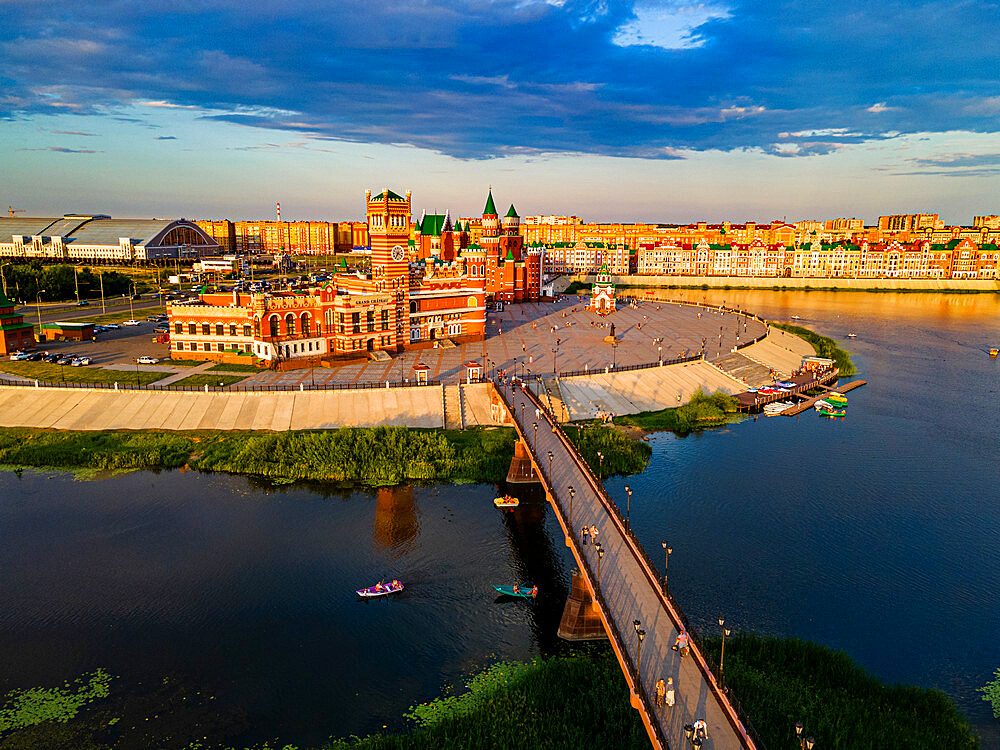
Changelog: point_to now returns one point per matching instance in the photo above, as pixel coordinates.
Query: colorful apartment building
(402, 302)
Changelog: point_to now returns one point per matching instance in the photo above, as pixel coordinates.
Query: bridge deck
(626, 589)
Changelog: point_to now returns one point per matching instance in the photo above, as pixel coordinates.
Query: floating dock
(810, 402)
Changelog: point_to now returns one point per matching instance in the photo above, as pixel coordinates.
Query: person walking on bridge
(593, 533)
(670, 692)
(585, 533)
(661, 692)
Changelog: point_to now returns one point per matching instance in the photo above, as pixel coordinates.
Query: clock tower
(388, 217)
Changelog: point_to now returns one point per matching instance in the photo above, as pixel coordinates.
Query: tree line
(31, 281)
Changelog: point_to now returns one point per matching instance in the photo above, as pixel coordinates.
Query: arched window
(273, 320)
(328, 320)
(305, 324)
(256, 326)
(290, 324)
(472, 301)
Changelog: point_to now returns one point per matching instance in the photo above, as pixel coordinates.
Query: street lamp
(722, 655)
(666, 563)
(572, 493)
(38, 306)
(535, 442)
(555, 351)
(600, 464)
(805, 743)
(550, 467)
(628, 503)
(639, 634)
(600, 556)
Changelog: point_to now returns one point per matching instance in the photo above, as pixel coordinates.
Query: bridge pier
(522, 470)
(581, 620)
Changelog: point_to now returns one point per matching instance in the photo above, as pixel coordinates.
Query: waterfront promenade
(626, 590)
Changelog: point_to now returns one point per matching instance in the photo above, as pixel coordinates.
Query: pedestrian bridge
(640, 619)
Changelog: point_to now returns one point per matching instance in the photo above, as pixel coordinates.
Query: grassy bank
(622, 454)
(701, 412)
(824, 346)
(780, 681)
(65, 374)
(374, 456)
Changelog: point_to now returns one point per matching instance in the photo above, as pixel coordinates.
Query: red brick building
(15, 334)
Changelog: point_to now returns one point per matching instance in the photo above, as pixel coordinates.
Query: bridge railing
(711, 672)
(634, 676)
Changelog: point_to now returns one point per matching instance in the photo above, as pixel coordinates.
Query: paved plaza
(523, 336)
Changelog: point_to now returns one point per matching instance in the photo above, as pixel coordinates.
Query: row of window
(206, 347)
(206, 329)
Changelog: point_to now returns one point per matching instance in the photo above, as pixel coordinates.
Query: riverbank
(364, 456)
(824, 346)
(818, 284)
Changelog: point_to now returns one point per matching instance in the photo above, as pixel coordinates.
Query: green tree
(991, 693)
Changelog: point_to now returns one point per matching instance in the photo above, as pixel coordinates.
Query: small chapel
(602, 300)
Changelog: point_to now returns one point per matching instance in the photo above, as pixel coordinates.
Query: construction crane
(13, 211)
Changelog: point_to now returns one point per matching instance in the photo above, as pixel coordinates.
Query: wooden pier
(810, 402)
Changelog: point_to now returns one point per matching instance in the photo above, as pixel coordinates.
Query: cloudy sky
(664, 110)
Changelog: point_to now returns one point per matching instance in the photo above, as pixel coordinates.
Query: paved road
(631, 591)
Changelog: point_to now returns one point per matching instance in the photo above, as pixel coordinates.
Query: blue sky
(665, 110)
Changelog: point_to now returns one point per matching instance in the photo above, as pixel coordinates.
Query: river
(878, 535)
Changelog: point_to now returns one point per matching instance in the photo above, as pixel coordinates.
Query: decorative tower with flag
(490, 239)
(602, 300)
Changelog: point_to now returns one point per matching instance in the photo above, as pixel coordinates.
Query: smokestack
(278, 207)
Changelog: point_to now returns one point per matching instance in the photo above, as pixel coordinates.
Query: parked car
(80, 361)
(65, 359)
(147, 360)
(35, 357)
(131, 323)
(15, 356)
(112, 326)
(83, 303)
(161, 328)
(51, 358)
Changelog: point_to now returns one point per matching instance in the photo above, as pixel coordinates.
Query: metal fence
(626, 368)
(262, 388)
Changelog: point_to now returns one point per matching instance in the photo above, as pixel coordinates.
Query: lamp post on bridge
(639, 634)
(600, 556)
(572, 492)
(535, 439)
(628, 504)
(666, 562)
(600, 464)
(550, 467)
(805, 743)
(722, 655)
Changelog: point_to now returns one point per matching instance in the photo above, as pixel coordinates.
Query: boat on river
(525, 590)
(837, 399)
(774, 409)
(506, 501)
(852, 335)
(381, 589)
(994, 351)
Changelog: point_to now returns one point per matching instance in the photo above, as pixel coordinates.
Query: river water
(878, 535)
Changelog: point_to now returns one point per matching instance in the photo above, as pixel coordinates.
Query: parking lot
(115, 347)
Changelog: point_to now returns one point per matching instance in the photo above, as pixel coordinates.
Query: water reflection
(396, 523)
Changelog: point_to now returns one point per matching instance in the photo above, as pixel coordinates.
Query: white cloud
(879, 107)
(670, 24)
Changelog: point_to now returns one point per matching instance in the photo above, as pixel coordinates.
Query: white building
(100, 239)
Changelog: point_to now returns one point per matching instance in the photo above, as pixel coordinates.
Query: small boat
(506, 501)
(832, 412)
(774, 409)
(852, 335)
(836, 398)
(381, 589)
(796, 317)
(994, 351)
(525, 590)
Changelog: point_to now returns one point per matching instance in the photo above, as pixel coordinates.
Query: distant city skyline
(661, 111)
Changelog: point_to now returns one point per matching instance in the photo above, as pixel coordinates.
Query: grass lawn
(222, 367)
(65, 373)
(184, 362)
(204, 378)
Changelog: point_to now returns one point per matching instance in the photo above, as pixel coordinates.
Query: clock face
(397, 253)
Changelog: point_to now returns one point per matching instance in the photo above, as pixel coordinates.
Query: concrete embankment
(798, 284)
